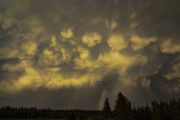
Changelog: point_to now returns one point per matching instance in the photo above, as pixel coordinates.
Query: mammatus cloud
(66, 34)
(138, 43)
(97, 46)
(170, 46)
(91, 39)
(117, 42)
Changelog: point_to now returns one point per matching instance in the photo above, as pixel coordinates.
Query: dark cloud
(157, 17)
(65, 98)
(44, 38)
(159, 82)
(9, 61)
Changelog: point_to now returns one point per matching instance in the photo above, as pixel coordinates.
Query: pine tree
(107, 108)
(122, 109)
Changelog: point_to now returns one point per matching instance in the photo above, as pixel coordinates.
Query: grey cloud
(146, 18)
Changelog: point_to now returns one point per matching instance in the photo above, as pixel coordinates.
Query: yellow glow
(53, 41)
(48, 54)
(116, 60)
(84, 60)
(56, 46)
(117, 42)
(91, 39)
(167, 46)
(65, 54)
(67, 33)
(30, 48)
(51, 58)
(54, 79)
(31, 79)
(48, 58)
(58, 81)
(28, 80)
(51, 79)
(138, 43)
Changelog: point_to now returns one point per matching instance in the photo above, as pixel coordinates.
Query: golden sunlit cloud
(168, 46)
(91, 39)
(62, 47)
(84, 61)
(66, 34)
(57, 81)
(30, 48)
(53, 41)
(138, 43)
(116, 60)
(50, 58)
(48, 54)
(33, 78)
(95, 46)
(117, 42)
(48, 78)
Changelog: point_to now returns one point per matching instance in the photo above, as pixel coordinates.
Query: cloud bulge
(64, 45)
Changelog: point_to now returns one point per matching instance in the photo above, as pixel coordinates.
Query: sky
(67, 54)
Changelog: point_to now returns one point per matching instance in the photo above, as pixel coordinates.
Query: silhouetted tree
(122, 109)
(163, 110)
(160, 111)
(106, 109)
(142, 113)
(72, 117)
(174, 109)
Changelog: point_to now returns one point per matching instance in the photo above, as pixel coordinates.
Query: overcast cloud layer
(74, 53)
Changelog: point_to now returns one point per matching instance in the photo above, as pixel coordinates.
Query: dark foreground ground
(123, 110)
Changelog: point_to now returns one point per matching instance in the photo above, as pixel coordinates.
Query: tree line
(123, 110)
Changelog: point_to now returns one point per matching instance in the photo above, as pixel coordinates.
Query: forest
(123, 110)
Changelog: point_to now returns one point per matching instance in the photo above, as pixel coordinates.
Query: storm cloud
(74, 53)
